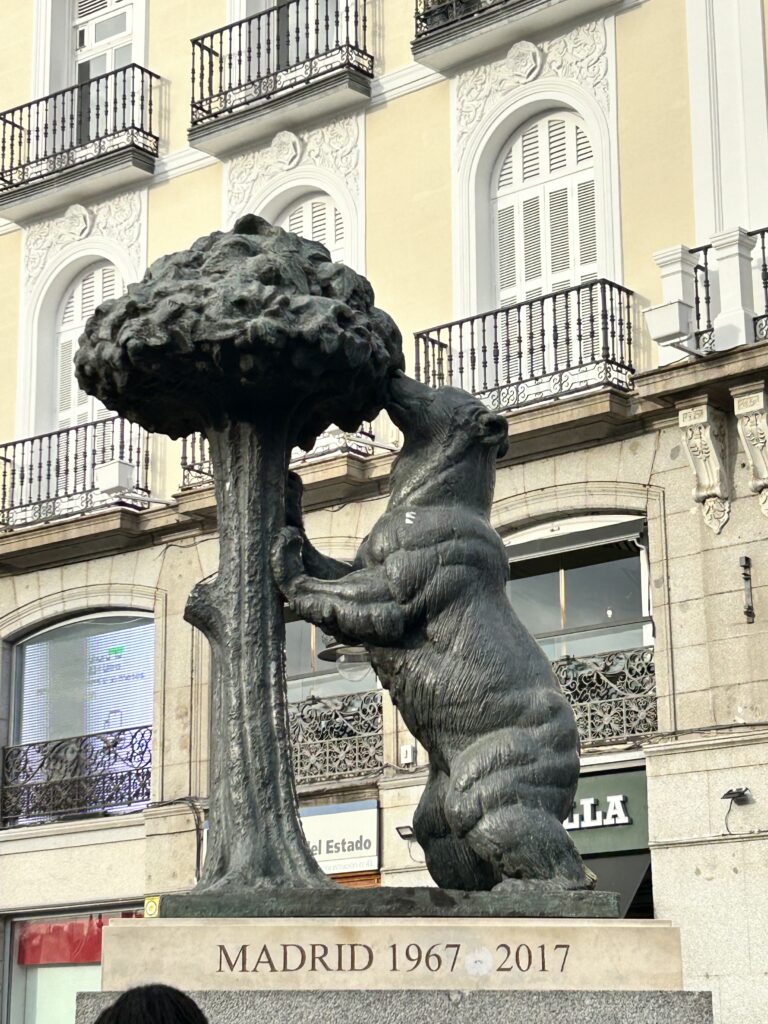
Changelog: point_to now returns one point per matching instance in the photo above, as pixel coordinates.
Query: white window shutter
(94, 286)
(544, 210)
(319, 220)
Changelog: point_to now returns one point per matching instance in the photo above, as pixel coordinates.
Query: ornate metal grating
(337, 737)
(613, 695)
(80, 775)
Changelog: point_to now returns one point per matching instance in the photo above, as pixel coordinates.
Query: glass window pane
(298, 649)
(123, 56)
(603, 592)
(88, 69)
(597, 641)
(536, 600)
(87, 676)
(110, 27)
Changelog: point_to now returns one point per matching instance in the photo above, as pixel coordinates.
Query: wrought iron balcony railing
(94, 774)
(558, 344)
(434, 14)
(57, 475)
(293, 43)
(702, 289)
(613, 695)
(197, 470)
(77, 125)
(704, 277)
(337, 737)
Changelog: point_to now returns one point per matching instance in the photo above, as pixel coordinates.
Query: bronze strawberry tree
(255, 338)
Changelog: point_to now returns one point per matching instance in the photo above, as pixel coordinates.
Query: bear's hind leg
(451, 861)
(530, 848)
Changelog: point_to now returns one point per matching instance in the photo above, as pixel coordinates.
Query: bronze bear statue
(426, 596)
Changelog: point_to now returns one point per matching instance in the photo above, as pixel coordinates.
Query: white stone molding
(327, 158)
(734, 324)
(407, 79)
(576, 71)
(670, 324)
(54, 252)
(704, 438)
(729, 113)
(750, 403)
(44, 611)
(580, 56)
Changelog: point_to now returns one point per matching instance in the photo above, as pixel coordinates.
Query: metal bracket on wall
(746, 574)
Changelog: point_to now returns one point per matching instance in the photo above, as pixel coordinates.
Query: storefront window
(309, 675)
(52, 959)
(582, 602)
(87, 676)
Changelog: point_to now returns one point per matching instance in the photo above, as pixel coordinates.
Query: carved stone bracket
(750, 403)
(704, 438)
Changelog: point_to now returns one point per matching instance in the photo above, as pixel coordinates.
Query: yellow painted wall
(172, 23)
(10, 261)
(16, 53)
(656, 165)
(182, 209)
(391, 29)
(408, 227)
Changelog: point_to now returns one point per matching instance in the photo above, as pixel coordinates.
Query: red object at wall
(73, 940)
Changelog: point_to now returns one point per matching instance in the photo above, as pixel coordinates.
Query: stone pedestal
(439, 1007)
(392, 969)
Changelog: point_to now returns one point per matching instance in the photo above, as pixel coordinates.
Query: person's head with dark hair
(153, 1004)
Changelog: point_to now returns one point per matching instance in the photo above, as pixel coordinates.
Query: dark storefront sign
(609, 825)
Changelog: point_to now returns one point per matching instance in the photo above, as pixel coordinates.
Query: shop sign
(343, 837)
(610, 813)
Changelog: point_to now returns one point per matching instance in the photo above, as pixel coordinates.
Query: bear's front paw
(287, 558)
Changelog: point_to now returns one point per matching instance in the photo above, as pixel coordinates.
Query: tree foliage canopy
(246, 324)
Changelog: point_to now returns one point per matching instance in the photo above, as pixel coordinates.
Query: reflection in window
(582, 602)
(83, 677)
(309, 675)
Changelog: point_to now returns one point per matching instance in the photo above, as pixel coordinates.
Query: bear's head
(452, 441)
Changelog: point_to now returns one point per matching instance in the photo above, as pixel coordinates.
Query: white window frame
(54, 17)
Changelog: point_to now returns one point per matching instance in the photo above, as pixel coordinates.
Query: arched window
(87, 675)
(543, 198)
(95, 285)
(316, 217)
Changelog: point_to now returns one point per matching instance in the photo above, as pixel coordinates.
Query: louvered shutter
(545, 229)
(316, 218)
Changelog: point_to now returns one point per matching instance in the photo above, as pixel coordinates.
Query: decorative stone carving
(119, 219)
(704, 439)
(750, 404)
(525, 61)
(333, 147)
(580, 56)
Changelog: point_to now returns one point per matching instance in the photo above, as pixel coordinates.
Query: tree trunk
(255, 838)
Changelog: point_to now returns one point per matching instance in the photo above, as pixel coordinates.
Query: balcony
(77, 143)
(82, 775)
(73, 471)
(707, 289)
(337, 737)
(553, 346)
(450, 33)
(197, 470)
(612, 695)
(298, 61)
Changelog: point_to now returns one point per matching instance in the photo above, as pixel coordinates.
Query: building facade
(572, 191)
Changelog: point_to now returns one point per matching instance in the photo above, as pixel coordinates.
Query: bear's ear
(493, 430)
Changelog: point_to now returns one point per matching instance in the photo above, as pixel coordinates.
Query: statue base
(392, 901)
(387, 970)
(447, 1007)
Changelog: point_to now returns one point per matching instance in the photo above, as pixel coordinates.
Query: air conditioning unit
(115, 477)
